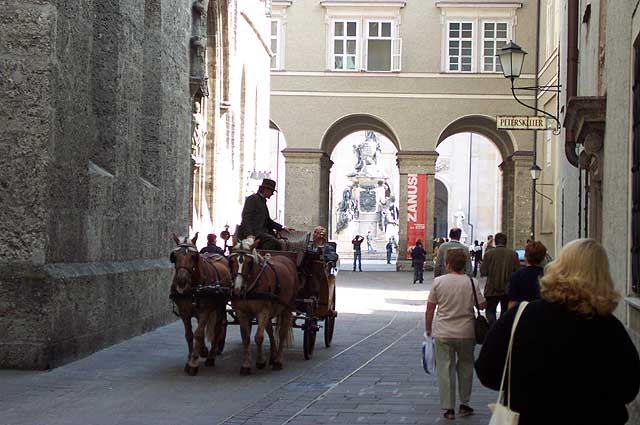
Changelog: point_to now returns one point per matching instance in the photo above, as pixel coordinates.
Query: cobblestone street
(371, 374)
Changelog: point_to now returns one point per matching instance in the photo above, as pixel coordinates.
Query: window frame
(278, 37)
(345, 38)
(366, 37)
(460, 39)
(496, 62)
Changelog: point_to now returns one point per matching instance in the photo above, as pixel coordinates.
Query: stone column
(520, 207)
(415, 162)
(307, 188)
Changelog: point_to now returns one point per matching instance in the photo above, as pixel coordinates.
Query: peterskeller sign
(521, 123)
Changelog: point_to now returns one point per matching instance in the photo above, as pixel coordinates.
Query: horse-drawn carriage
(290, 288)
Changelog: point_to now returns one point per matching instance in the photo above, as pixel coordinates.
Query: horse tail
(285, 327)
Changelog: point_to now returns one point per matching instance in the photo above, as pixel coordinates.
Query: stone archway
(307, 205)
(516, 180)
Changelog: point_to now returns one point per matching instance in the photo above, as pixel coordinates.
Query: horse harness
(264, 263)
(214, 288)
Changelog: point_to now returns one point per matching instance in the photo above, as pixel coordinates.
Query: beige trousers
(454, 357)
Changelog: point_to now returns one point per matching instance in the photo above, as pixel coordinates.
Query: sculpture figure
(198, 134)
(367, 155)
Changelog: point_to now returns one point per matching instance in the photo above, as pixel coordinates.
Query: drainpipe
(535, 133)
(572, 73)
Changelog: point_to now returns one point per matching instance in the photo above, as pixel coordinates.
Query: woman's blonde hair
(580, 279)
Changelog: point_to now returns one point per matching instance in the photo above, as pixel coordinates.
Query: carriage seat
(296, 241)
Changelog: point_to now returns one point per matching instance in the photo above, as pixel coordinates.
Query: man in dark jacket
(498, 265)
(211, 247)
(256, 220)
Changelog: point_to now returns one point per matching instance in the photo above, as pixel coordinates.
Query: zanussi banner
(416, 210)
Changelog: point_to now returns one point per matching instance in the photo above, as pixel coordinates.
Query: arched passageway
(441, 210)
(513, 210)
(308, 188)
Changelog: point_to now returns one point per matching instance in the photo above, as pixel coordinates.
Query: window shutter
(396, 54)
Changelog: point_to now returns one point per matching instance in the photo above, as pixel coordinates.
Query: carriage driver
(256, 220)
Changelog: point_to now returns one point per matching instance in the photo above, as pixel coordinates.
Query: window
(495, 35)
(473, 31)
(635, 175)
(550, 33)
(378, 46)
(275, 45)
(548, 145)
(460, 46)
(345, 45)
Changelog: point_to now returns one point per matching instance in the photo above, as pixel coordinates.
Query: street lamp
(535, 172)
(511, 57)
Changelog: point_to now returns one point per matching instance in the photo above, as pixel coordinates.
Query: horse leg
(188, 335)
(245, 332)
(263, 318)
(272, 343)
(194, 356)
(214, 327)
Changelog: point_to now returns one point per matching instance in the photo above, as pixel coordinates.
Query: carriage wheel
(329, 323)
(309, 338)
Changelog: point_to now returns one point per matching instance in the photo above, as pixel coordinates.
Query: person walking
(454, 234)
(389, 249)
(490, 244)
(418, 255)
(524, 284)
(498, 265)
(357, 252)
(573, 361)
(454, 335)
(369, 242)
(476, 253)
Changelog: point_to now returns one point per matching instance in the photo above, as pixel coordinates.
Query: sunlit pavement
(370, 374)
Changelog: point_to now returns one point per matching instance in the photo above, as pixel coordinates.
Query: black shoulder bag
(480, 324)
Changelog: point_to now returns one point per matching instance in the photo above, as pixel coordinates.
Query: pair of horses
(263, 287)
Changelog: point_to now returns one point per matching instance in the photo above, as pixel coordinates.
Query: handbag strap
(507, 363)
(475, 297)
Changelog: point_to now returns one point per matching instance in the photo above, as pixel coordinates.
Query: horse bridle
(184, 249)
(262, 261)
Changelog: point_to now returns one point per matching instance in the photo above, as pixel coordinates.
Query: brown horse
(193, 274)
(264, 288)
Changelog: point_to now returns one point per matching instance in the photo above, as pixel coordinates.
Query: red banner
(416, 210)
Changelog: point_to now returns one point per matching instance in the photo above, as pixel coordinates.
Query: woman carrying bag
(454, 333)
(572, 361)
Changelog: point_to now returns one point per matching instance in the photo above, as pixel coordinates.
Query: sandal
(450, 414)
(465, 410)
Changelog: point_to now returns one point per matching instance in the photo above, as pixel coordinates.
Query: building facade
(113, 113)
(599, 148)
(416, 72)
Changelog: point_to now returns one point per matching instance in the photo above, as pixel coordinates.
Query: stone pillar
(306, 188)
(415, 162)
(520, 208)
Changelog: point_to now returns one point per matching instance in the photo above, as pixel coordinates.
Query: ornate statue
(367, 155)
(347, 210)
(198, 134)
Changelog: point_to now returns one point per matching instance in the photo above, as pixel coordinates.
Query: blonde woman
(573, 361)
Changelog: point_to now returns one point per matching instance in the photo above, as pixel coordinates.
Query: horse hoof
(261, 365)
(204, 352)
(276, 366)
(210, 362)
(186, 367)
(245, 371)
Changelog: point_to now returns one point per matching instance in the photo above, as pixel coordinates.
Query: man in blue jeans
(357, 252)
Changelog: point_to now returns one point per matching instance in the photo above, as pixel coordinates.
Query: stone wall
(94, 172)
